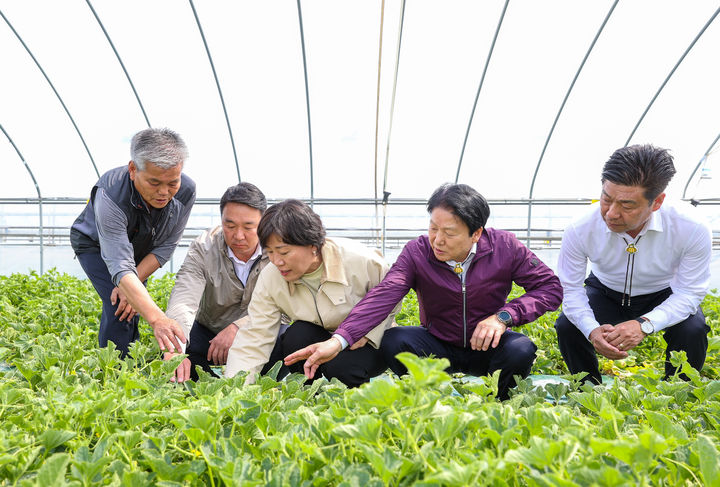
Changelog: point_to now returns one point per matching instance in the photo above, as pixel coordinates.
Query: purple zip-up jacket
(446, 310)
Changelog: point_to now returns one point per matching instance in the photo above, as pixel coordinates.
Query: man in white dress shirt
(649, 268)
(214, 285)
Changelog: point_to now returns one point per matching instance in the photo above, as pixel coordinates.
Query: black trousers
(514, 355)
(197, 349)
(351, 367)
(689, 335)
(121, 333)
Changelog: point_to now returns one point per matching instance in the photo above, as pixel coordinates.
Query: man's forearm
(147, 266)
(139, 298)
(576, 308)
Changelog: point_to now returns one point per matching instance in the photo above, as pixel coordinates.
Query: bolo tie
(631, 250)
(458, 269)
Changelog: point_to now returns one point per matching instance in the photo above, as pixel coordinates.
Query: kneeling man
(650, 268)
(462, 273)
(214, 285)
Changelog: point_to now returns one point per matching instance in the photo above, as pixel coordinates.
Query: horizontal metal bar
(354, 201)
(392, 242)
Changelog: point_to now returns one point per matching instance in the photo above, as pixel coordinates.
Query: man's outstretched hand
(167, 332)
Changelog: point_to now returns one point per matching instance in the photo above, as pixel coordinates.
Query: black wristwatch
(504, 318)
(646, 325)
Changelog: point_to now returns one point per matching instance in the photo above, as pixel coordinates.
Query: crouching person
(462, 273)
(650, 268)
(214, 285)
(315, 281)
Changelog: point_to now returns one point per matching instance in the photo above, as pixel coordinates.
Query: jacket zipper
(464, 295)
(464, 302)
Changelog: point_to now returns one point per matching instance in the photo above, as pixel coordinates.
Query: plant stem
(697, 480)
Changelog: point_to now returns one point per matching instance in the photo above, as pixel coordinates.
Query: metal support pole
(557, 117)
(217, 83)
(307, 104)
(477, 95)
(40, 199)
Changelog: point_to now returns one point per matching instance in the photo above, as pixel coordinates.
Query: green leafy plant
(75, 414)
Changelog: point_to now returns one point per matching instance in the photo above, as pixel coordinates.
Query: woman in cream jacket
(315, 281)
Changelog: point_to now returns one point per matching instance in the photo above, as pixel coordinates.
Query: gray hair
(161, 147)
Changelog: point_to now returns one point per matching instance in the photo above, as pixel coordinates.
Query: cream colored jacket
(207, 288)
(350, 271)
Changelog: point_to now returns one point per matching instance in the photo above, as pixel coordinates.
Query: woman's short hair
(294, 222)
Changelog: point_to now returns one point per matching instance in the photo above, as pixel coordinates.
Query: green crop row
(75, 414)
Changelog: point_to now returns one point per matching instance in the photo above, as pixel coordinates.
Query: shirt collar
(332, 264)
(255, 255)
(471, 254)
(654, 224)
(135, 198)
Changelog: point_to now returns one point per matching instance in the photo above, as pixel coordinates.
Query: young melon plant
(74, 414)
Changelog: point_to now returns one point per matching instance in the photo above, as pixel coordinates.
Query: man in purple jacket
(462, 273)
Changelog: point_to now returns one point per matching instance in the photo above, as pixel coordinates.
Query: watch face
(647, 327)
(504, 317)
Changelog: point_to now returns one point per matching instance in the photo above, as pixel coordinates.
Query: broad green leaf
(709, 460)
(380, 393)
(540, 454)
(51, 439)
(665, 427)
(450, 427)
(454, 473)
(195, 435)
(368, 428)
(198, 418)
(131, 383)
(608, 411)
(589, 400)
(53, 470)
(425, 371)
(87, 468)
(136, 418)
(604, 475)
(707, 390)
(165, 468)
(345, 431)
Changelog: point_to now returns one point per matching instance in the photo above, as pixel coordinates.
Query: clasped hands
(613, 342)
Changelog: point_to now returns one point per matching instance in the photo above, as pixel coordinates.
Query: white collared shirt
(464, 264)
(242, 269)
(673, 250)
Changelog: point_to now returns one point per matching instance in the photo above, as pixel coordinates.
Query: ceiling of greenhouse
(553, 86)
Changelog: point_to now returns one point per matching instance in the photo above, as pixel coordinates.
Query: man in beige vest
(214, 285)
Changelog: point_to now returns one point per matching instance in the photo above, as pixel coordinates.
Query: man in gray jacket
(214, 285)
(130, 227)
